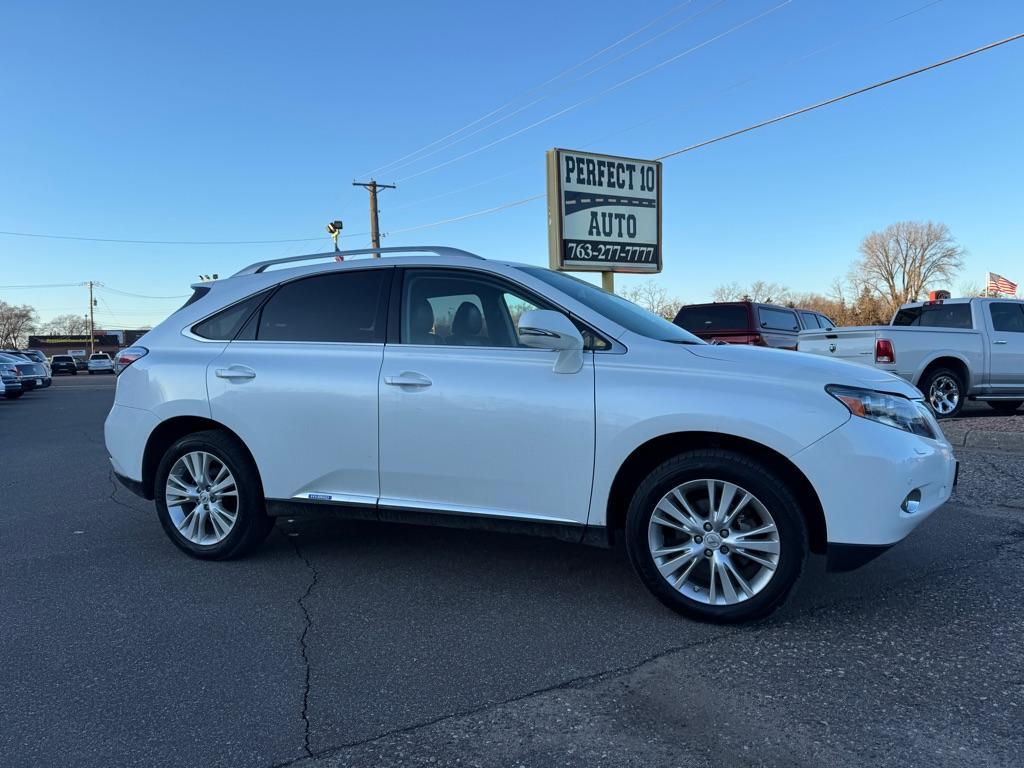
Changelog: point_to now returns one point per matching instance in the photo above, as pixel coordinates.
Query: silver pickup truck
(953, 350)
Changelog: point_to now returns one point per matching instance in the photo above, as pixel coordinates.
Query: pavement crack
(113, 494)
(314, 577)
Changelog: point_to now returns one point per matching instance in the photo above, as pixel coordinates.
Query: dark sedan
(11, 381)
(33, 375)
(63, 364)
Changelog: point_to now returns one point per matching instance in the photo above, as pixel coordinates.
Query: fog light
(911, 504)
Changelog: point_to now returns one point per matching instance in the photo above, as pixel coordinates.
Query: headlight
(891, 410)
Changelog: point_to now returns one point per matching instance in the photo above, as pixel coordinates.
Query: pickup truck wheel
(716, 536)
(209, 497)
(944, 391)
(1005, 406)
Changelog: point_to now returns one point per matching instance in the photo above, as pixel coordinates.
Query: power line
(835, 99)
(605, 92)
(160, 242)
(397, 165)
(46, 285)
(531, 91)
(104, 287)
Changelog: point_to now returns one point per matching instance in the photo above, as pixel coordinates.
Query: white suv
(439, 387)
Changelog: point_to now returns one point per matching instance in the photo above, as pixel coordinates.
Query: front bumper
(863, 472)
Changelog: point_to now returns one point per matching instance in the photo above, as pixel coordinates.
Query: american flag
(999, 284)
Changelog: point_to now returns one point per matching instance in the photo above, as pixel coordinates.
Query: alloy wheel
(944, 394)
(714, 542)
(202, 498)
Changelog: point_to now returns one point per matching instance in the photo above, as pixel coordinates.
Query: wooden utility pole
(373, 186)
(92, 325)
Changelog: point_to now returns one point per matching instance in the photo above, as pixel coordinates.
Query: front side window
(1007, 316)
(459, 309)
(343, 306)
(778, 319)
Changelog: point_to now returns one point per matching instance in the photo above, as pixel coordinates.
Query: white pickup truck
(953, 350)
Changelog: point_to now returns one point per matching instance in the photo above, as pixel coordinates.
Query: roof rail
(440, 250)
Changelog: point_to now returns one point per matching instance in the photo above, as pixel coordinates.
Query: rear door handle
(999, 341)
(236, 372)
(408, 379)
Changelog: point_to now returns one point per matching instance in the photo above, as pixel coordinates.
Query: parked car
(33, 375)
(435, 386)
(953, 350)
(39, 357)
(100, 362)
(63, 364)
(10, 380)
(749, 322)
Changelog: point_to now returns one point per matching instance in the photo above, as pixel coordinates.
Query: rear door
(1007, 346)
(778, 326)
(299, 385)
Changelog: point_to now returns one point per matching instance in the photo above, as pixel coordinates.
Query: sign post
(604, 214)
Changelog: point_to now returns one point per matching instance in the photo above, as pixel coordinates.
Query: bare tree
(899, 263)
(970, 288)
(67, 325)
(16, 323)
(653, 297)
(759, 290)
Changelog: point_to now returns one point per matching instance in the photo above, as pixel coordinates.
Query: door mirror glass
(546, 329)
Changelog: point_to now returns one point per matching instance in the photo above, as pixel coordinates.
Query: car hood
(797, 366)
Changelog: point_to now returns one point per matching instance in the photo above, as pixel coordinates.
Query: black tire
(752, 476)
(91, 373)
(252, 523)
(14, 395)
(934, 378)
(74, 373)
(1005, 406)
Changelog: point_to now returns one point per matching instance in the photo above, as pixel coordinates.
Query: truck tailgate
(855, 345)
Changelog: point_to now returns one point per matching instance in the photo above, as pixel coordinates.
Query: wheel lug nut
(707, 553)
(698, 539)
(724, 550)
(708, 526)
(725, 532)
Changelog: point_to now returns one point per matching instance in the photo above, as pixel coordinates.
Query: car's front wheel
(717, 536)
(209, 497)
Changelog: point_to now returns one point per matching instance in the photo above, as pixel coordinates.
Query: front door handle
(236, 372)
(999, 341)
(408, 379)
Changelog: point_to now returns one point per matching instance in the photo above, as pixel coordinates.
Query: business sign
(102, 339)
(604, 212)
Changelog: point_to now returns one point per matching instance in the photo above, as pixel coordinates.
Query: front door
(1007, 348)
(473, 422)
(299, 386)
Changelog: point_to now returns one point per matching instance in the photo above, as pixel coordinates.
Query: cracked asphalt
(364, 644)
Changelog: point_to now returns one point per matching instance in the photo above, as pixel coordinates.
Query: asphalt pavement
(366, 644)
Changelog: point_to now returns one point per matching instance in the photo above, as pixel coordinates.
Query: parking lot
(343, 643)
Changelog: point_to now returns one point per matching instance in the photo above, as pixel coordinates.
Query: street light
(334, 229)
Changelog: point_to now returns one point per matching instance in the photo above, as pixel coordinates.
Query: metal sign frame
(556, 249)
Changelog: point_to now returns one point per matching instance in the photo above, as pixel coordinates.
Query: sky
(196, 121)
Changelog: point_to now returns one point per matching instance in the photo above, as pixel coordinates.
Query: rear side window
(935, 316)
(225, 325)
(726, 317)
(336, 307)
(810, 320)
(824, 322)
(778, 319)
(1007, 317)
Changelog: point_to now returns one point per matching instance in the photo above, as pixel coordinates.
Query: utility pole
(92, 324)
(373, 186)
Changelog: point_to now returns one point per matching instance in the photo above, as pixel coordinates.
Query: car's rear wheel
(209, 497)
(945, 392)
(1005, 406)
(716, 536)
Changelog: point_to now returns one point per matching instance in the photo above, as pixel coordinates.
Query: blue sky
(208, 121)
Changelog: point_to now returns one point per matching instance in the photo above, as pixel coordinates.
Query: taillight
(884, 353)
(755, 339)
(128, 356)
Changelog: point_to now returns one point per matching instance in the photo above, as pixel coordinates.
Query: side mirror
(546, 329)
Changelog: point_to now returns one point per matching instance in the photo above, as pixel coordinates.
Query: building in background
(109, 341)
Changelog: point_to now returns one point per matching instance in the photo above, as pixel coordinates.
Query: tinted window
(615, 308)
(936, 316)
(725, 317)
(338, 307)
(778, 319)
(225, 324)
(1007, 316)
(458, 309)
(810, 320)
(824, 322)
(63, 359)
(908, 316)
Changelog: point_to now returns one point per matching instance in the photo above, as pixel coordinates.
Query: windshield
(615, 308)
